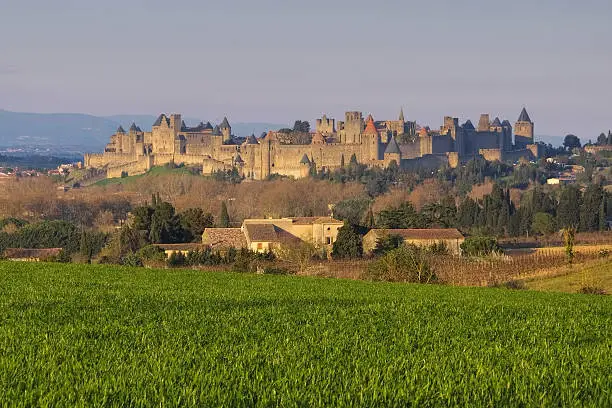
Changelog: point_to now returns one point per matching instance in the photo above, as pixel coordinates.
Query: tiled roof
(315, 220)
(305, 159)
(120, 129)
(216, 131)
(496, 122)
(218, 238)
(421, 233)
(159, 120)
(370, 126)
(133, 128)
(26, 253)
(261, 232)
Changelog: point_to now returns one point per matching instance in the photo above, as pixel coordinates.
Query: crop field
(78, 335)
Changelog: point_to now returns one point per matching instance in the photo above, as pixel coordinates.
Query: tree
(543, 223)
(165, 225)
(301, 126)
(602, 139)
(478, 246)
(348, 244)
(571, 141)
(568, 240)
(404, 216)
(194, 221)
(590, 207)
(224, 219)
(351, 210)
(299, 254)
(568, 209)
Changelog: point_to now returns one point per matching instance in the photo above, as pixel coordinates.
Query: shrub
(388, 243)
(176, 259)
(592, 290)
(404, 264)
(151, 254)
(131, 259)
(274, 270)
(348, 243)
(480, 246)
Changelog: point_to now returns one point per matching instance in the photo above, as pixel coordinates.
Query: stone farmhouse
(374, 143)
(450, 237)
(269, 234)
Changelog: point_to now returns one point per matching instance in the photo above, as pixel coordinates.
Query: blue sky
(278, 61)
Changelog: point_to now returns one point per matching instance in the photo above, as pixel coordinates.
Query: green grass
(73, 335)
(155, 171)
(598, 274)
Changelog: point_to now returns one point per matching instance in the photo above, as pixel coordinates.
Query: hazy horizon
(270, 61)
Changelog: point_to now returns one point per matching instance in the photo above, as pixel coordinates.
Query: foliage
(224, 219)
(404, 216)
(543, 223)
(300, 254)
(569, 235)
(348, 243)
(352, 210)
(194, 221)
(387, 242)
(571, 142)
(479, 246)
(403, 264)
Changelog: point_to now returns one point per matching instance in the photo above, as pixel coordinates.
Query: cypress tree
(224, 219)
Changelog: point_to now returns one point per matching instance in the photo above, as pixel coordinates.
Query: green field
(98, 335)
(573, 278)
(154, 172)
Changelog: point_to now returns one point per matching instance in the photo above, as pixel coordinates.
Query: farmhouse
(451, 237)
(267, 234)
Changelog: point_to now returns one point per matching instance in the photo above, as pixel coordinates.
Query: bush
(131, 259)
(176, 259)
(404, 264)
(151, 253)
(480, 246)
(592, 290)
(273, 270)
(513, 284)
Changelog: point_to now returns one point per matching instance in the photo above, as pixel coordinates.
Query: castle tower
(484, 123)
(176, 123)
(523, 130)
(370, 141)
(393, 153)
(425, 142)
(352, 128)
(226, 130)
(305, 166)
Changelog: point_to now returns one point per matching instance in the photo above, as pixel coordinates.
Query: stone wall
(140, 166)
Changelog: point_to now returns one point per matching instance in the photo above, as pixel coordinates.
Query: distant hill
(82, 132)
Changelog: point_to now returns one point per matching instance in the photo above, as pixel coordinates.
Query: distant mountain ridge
(86, 133)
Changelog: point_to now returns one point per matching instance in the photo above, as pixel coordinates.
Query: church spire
(401, 115)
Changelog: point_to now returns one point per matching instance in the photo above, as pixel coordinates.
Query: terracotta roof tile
(218, 238)
(422, 233)
(261, 232)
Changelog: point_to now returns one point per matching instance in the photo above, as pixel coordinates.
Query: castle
(374, 143)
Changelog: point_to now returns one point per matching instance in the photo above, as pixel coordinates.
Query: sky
(278, 61)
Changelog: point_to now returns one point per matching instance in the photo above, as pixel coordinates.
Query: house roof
(23, 253)
(392, 147)
(420, 233)
(261, 232)
(524, 117)
(217, 238)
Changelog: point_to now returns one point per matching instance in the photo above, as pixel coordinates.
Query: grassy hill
(105, 335)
